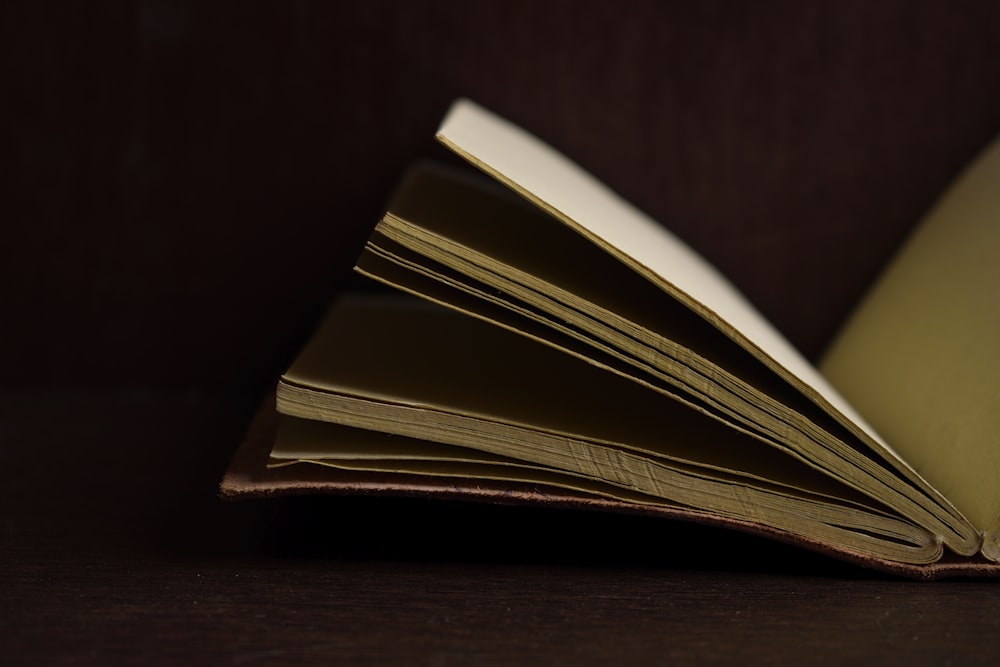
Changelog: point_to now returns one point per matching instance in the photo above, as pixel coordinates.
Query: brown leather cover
(249, 477)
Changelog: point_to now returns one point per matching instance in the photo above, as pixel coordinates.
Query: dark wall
(188, 183)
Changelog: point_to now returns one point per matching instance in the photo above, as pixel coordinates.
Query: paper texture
(563, 189)
(921, 357)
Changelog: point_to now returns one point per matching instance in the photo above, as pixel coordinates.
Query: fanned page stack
(569, 351)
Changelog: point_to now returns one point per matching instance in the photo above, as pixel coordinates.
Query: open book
(568, 350)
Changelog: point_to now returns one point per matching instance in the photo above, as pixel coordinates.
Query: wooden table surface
(115, 550)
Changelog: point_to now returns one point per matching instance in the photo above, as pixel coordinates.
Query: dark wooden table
(114, 549)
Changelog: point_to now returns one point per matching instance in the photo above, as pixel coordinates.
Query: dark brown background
(189, 181)
(185, 185)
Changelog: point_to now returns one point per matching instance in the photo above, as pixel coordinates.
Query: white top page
(562, 188)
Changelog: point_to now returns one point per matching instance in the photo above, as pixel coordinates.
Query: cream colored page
(921, 356)
(303, 441)
(299, 439)
(565, 190)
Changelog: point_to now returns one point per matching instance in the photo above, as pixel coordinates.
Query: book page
(458, 381)
(564, 190)
(921, 357)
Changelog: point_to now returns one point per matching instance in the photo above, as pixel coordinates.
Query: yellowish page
(920, 358)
